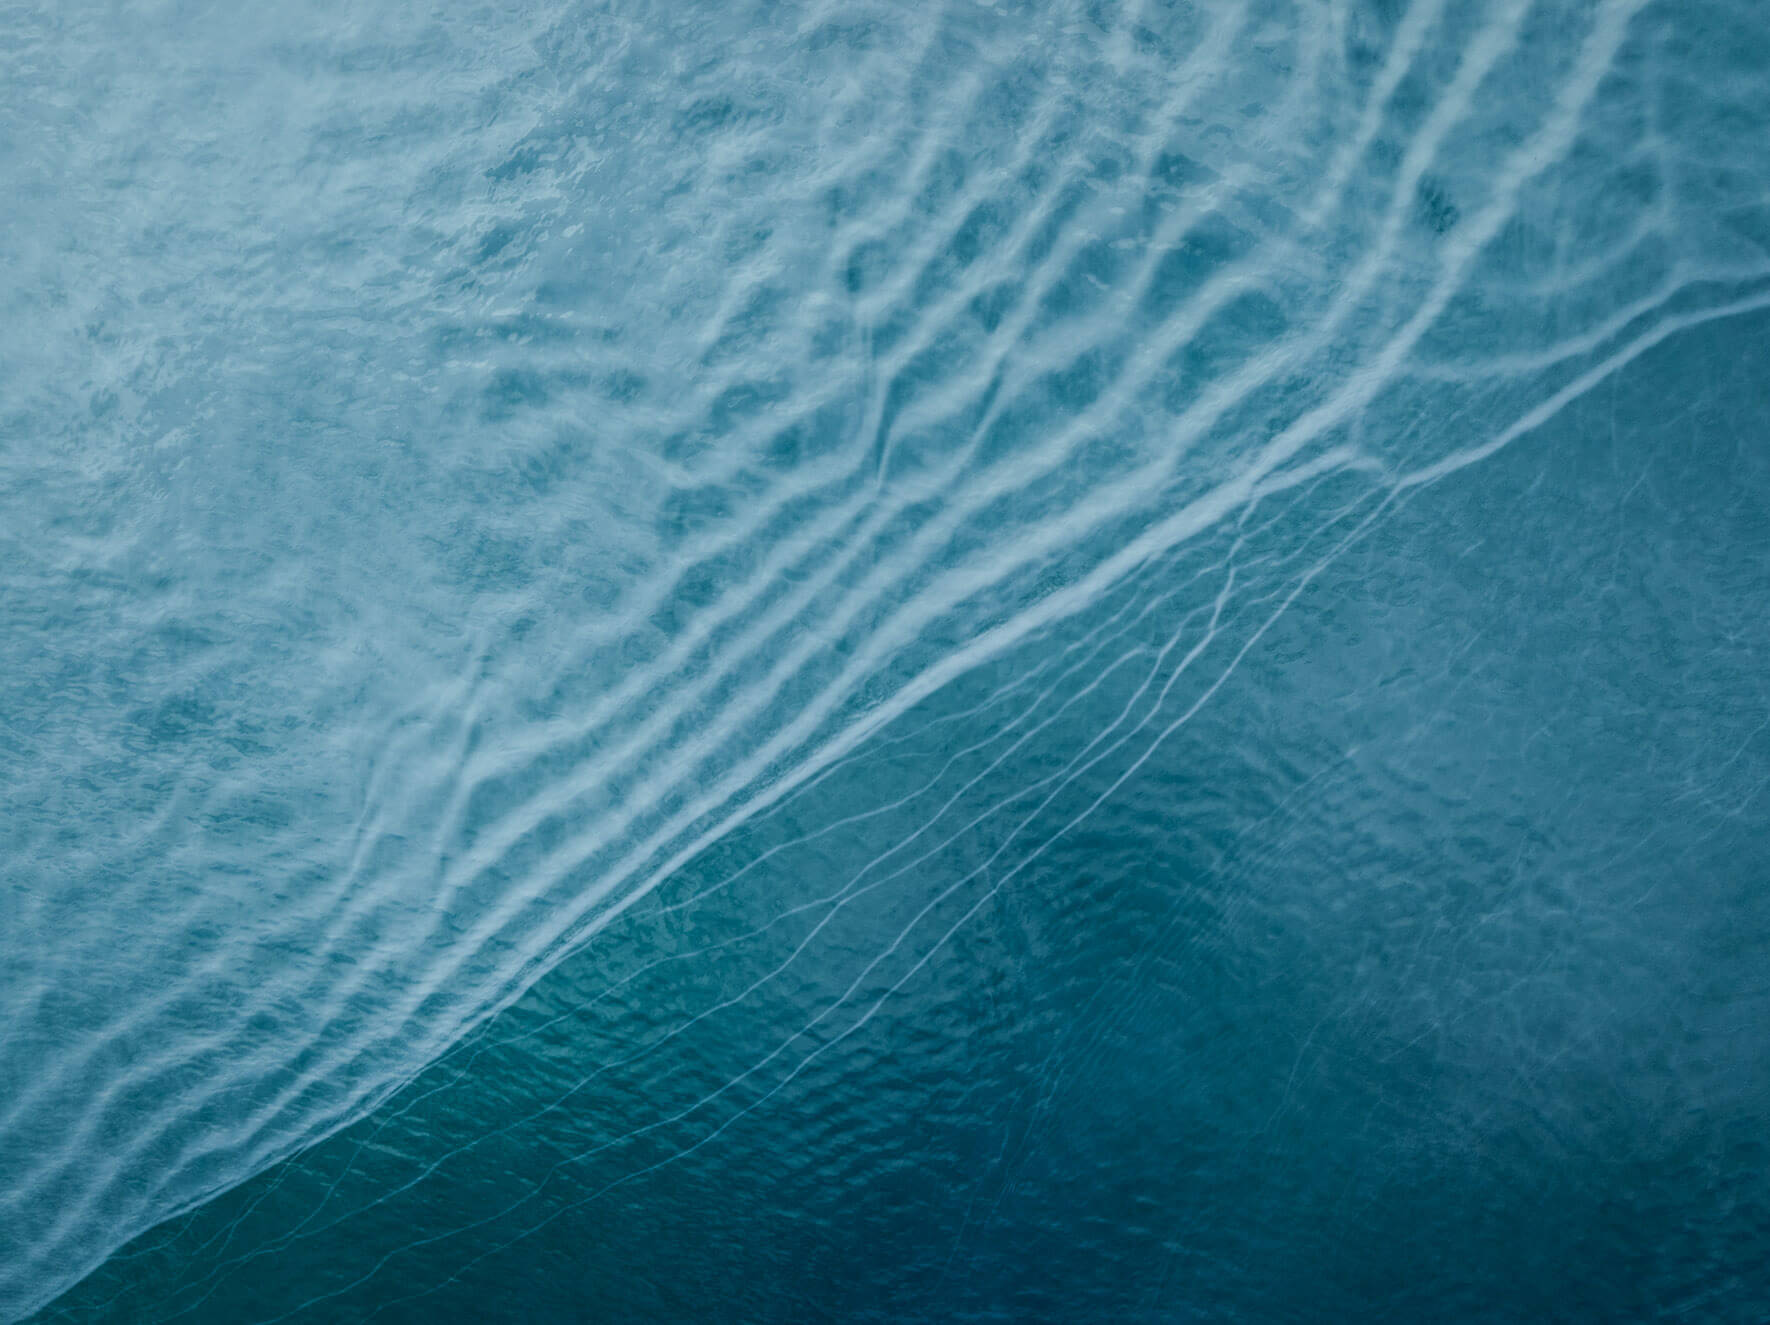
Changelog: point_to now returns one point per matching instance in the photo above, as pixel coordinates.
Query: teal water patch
(1415, 972)
(1010, 662)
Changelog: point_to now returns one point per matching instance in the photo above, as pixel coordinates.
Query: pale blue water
(1064, 661)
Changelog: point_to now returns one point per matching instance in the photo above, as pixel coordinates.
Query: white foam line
(285, 1239)
(1098, 644)
(1013, 352)
(828, 522)
(858, 980)
(1425, 475)
(535, 813)
(1210, 57)
(884, 517)
(1203, 510)
(841, 898)
(1613, 26)
(780, 557)
(1581, 385)
(1410, 40)
(1677, 281)
(849, 892)
(1654, 222)
(144, 1011)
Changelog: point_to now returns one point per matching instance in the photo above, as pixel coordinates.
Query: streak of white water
(452, 500)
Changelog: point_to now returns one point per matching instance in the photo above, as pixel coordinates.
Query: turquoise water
(955, 662)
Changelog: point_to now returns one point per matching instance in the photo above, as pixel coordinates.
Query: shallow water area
(1052, 661)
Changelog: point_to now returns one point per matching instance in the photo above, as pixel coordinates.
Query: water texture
(879, 661)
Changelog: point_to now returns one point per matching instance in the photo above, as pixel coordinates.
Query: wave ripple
(458, 470)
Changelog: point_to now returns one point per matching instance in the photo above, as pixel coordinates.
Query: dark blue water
(950, 662)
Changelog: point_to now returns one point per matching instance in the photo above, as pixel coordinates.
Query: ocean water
(1091, 660)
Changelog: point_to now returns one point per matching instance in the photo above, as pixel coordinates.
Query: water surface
(1052, 661)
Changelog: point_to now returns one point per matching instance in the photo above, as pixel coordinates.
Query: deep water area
(1064, 661)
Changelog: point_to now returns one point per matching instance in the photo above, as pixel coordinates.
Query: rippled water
(882, 661)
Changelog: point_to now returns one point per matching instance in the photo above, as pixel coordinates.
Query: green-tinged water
(773, 663)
